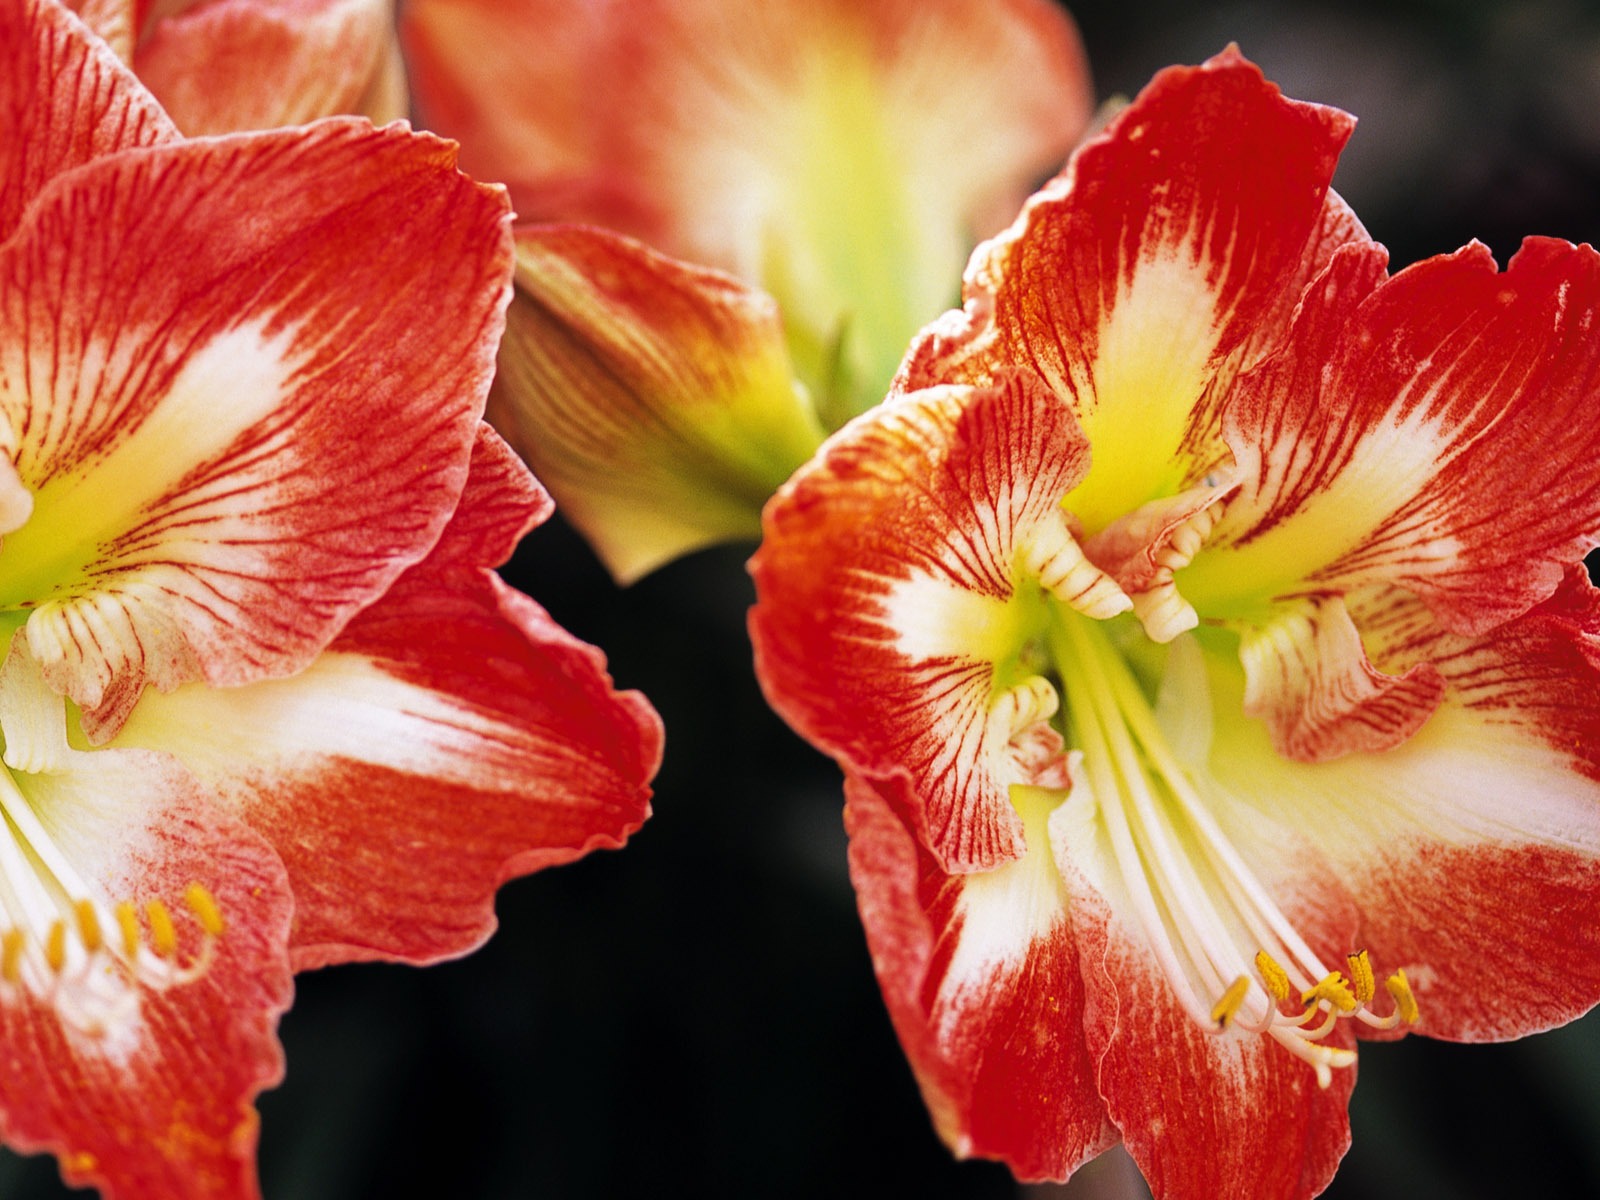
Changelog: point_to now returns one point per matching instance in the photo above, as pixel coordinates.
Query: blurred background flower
(219, 66)
(838, 160)
(698, 1017)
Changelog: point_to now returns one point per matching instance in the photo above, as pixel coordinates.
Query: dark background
(696, 1014)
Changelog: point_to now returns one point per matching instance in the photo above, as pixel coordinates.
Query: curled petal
(1308, 677)
(451, 738)
(226, 455)
(1039, 757)
(1142, 550)
(654, 398)
(65, 100)
(980, 976)
(1055, 557)
(897, 598)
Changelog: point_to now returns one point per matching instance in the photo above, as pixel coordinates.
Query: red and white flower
(1203, 630)
(265, 704)
(771, 198)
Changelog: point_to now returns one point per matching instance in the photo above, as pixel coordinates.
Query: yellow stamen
(1362, 982)
(1273, 977)
(1226, 1008)
(1334, 990)
(163, 938)
(128, 922)
(11, 955)
(1404, 1002)
(205, 909)
(88, 925)
(55, 945)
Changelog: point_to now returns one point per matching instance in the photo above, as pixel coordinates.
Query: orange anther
(163, 937)
(1332, 988)
(128, 922)
(1273, 977)
(205, 909)
(88, 925)
(1405, 1002)
(1362, 982)
(11, 955)
(1227, 1007)
(55, 945)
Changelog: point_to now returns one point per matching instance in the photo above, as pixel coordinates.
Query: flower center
(1200, 906)
(65, 945)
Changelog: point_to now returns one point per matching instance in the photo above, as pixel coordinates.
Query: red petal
(1512, 361)
(1337, 228)
(1284, 441)
(891, 617)
(1494, 910)
(501, 503)
(1435, 432)
(1203, 1115)
(161, 1108)
(232, 448)
(983, 987)
(514, 84)
(65, 100)
(452, 738)
(1472, 847)
(248, 64)
(1134, 279)
(1497, 941)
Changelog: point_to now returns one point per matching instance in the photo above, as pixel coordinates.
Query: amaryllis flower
(787, 192)
(265, 705)
(1203, 631)
(221, 66)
